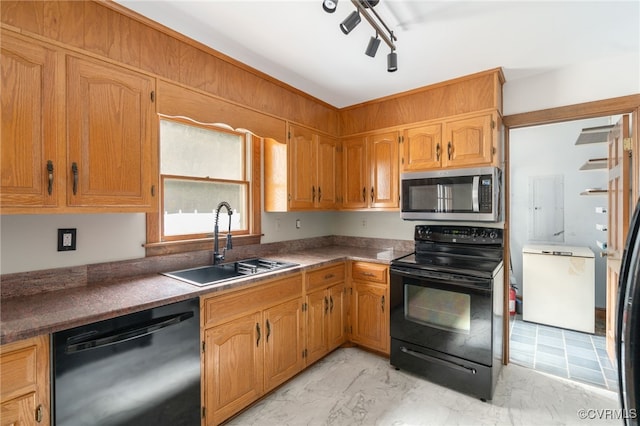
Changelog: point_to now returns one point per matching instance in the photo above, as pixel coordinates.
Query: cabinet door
(469, 142)
(317, 310)
(370, 323)
(383, 169)
(109, 123)
(283, 343)
(422, 148)
(336, 334)
(32, 163)
(302, 166)
(233, 366)
(327, 173)
(19, 412)
(354, 176)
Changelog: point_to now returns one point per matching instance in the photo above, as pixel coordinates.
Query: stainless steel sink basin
(216, 274)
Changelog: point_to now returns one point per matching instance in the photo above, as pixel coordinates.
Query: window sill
(184, 246)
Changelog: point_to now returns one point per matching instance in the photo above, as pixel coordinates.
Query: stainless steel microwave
(471, 194)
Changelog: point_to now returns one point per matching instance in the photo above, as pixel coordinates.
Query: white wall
(551, 150)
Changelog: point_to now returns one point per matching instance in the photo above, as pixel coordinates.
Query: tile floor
(354, 387)
(564, 353)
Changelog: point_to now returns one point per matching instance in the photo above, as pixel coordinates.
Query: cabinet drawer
(325, 277)
(19, 372)
(373, 272)
(226, 307)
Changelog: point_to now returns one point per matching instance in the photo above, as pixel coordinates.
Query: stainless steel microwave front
(471, 194)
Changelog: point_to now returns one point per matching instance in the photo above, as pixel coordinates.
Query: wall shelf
(594, 191)
(595, 164)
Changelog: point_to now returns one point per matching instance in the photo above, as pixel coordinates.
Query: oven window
(441, 309)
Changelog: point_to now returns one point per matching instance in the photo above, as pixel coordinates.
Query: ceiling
(297, 42)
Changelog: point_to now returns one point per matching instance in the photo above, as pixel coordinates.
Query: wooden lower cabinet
(370, 305)
(24, 382)
(252, 342)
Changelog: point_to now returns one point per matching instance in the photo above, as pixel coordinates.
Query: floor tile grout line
(566, 354)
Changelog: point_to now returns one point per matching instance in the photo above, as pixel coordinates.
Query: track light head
(350, 22)
(372, 47)
(392, 62)
(329, 6)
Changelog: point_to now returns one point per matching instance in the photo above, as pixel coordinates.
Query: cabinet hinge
(627, 144)
(304, 353)
(351, 329)
(493, 124)
(153, 96)
(304, 307)
(203, 346)
(153, 190)
(204, 412)
(289, 135)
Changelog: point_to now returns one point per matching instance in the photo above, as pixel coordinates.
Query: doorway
(591, 110)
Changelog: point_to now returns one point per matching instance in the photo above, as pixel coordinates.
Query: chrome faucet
(217, 257)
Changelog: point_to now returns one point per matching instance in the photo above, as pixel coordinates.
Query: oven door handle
(479, 284)
(435, 360)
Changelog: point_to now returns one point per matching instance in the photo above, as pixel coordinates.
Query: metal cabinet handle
(258, 331)
(329, 276)
(313, 194)
(50, 176)
(449, 149)
(74, 170)
(438, 151)
(319, 194)
(382, 303)
(372, 192)
(330, 304)
(268, 330)
(364, 194)
(39, 414)
(326, 305)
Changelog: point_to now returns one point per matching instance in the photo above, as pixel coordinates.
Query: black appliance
(628, 323)
(138, 369)
(447, 308)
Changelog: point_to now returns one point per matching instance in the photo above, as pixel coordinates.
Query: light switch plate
(66, 239)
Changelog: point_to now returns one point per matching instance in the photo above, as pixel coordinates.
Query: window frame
(157, 244)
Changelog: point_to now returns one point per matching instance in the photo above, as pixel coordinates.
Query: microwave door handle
(474, 193)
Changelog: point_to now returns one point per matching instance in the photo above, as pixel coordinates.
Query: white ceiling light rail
(365, 8)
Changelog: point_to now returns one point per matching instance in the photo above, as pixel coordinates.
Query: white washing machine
(558, 286)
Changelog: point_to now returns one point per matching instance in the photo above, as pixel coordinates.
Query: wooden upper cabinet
(422, 148)
(469, 141)
(303, 167)
(31, 155)
(370, 172)
(112, 156)
(312, 169)
(383, 169)
(354, 176)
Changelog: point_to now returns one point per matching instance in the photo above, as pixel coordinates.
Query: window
(200, 166)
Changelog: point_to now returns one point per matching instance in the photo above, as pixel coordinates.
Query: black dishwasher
(139, 369)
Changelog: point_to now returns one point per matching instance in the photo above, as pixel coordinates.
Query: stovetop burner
(456, 249)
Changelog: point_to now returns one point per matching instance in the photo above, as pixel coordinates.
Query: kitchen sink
(215, 274)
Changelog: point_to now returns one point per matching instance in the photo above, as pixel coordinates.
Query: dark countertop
(31, 315)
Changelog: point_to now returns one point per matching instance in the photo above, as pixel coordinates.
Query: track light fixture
(329, 6)
(350, 22)
(372, 47)
(365, 8)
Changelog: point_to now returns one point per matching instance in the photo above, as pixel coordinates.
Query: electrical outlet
(66, 239)
(364, 223)
(298, 224)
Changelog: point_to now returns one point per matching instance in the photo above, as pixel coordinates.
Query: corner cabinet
(78, 134)
(252, 342)
(470, 140)
(24, 383)
(325, 306)
(370, 305)
(370, 172)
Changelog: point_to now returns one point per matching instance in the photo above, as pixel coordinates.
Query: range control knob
(493, 235)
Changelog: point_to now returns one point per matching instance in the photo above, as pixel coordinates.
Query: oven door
(447, 313)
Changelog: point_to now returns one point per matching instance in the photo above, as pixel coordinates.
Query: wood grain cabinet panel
(24, 382)
(32, 157)
(370, 306)
(422, 148)
(469, 141)
(110, 136)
